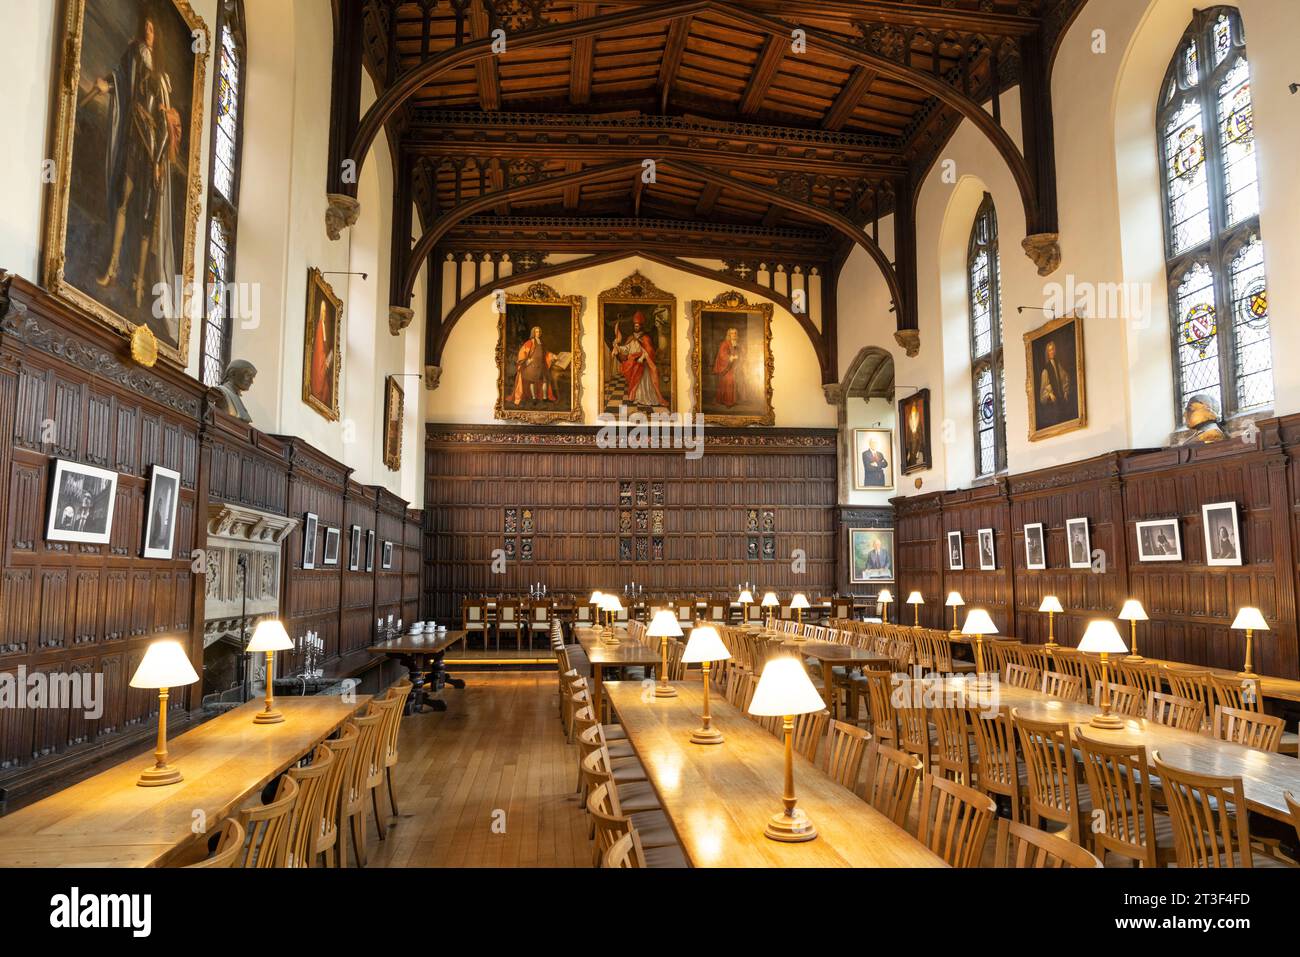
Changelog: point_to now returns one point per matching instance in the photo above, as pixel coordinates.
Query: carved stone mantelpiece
(1044, 249)
(241, 523)
(341, 214)
(238, 533)
(909, 340)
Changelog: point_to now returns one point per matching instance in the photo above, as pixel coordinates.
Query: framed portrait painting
(914, 432)
(988, 558)
(731, 360)
(1055, 378)
(81, 504)
(127, 161)
(873, 459)
(539, 357)
(638, 335)
(1035, 547)
(955, 560)
(1159, 541)
(388, 554)
(310, 525)
(160, 513)
(1079, 542)
(322, 353)
(333, 538)
(871, 554)
(394, 409)
(1222, 534)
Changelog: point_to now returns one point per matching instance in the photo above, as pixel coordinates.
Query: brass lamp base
(1133, 658)
(271, 716)
(158, 777)
(665, 691)
(954, 633)
(706, 736)
(1107, 722)
(792, 828)
(1247, 674)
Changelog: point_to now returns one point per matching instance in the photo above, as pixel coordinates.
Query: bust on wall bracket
(235, 381)
(1044, 250)
(341, 213)
(909, 340)
(399, 317)
(1202, 417)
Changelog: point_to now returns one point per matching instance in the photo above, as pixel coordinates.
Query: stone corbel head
(340, 214)
(1044, 250)
(399, 317)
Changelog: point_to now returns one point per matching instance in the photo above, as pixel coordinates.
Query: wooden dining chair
(1067, 687)
(630, 798)
(390, 713)
(1210, 823)
(809, 730)
(305, 823)
(327, 841)
(954, 820)
(625, 852)
(846, 747)
(1124, 699)
(878, 686)
(1173, 711)
(1019, 845)
(1055, 792)
(400, 691)
(952, 744)
(510, 621)
(1124, 818)
(1195, 685)
(914, 729)
(998, 770)
(1034, 656)
(999, 654)
(610, 826)
(230, 843)
(1139, 674)
(268, 827)
(355, 800)
(474, 621)
(1021, 676)
(1250, 728)
(891, 781)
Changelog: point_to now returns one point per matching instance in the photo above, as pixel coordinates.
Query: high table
(420, 653)
(108, 821)
(830, 654)
(718, 798)
(602, 655)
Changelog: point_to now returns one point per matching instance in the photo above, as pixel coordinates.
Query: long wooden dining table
(718, 798)
(109, 821)
(626, 652)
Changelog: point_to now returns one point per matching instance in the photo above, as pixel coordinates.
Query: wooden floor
(487, 783)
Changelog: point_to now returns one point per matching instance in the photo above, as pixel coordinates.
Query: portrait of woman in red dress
(730, 389)
(322, 349)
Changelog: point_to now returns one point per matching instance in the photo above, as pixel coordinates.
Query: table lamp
(612, 606)
(746, 599)
(1133, 612)
(165, 665)
(595, 599)
(916, 601)
(979, 624)
(885, 597)
(705, 646)
(664, 626)
(1101, 637)
(1252, 621)
(799, 602)
(1052, 605)
(954, 602)
(269, 636)
(785, 691)
(770, 601)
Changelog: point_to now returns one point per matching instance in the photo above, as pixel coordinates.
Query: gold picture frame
(1054, 352)
(394, 416)
(618, 308)
(721, 397)
(100, 281)
(549, 391)
(322, 359)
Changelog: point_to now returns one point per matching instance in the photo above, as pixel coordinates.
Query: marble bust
(237, 379)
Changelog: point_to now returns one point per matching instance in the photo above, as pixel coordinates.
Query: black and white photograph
(1159, 541)
(331, 554)
(388, 555)
(81, 504)
(370, 550)
(988, 561)
(1222, 534)
(309, 528)
(160, 513)
(954, 552)
(354, 548)
(1079, 541)
(1035, 547)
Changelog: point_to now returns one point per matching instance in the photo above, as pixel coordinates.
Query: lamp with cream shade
(664, 625)
(1101, 637)
(769, 602)
(916, 601)
(978, 623)
(164, 666)
(705, 647)
(1133, 612)
(885, 597)
(784, 690)
(611, 605)
(954, 601)
(799, 602)
(269, 637)
(1052, 606)
(1250, 620)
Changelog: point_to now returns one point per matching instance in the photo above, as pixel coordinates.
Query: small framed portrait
(388, 555)
(955, 562)
(354, 548)
(309, 526)
(871, 554)
(81, 504)
(1159, 541)
(1079, 542)
(988, 560)
(160, 513)
(873, 459)
(1222, 534)
(1054, 378)
(370, 550)
(914, 432)
(1035, 546)
(333, 538)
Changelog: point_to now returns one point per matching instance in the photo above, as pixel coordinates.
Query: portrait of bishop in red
(635, 356)
(730, 388)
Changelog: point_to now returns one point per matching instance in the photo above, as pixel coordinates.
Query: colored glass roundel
(1191, 151)
(1241, 117)
(1200, 327)
(1256, 305)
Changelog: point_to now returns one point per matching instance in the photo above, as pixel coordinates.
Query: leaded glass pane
(216, 275)
(1185, 172)
(1222, 38)
(223, 167)
(986, 420)
(1237, 139)
(1251, 327)
(981, 304)
(1191, 74)
(1198, 334)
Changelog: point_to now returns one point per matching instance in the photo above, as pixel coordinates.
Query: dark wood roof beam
(850, 96)
(674, 47)
(707, 198)
(485, 70)
(765, 69)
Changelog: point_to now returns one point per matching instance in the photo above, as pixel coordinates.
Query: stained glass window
(223, 190)
(1215, 258)
(988, 379)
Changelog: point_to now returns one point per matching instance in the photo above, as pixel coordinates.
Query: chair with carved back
(1193, 684)
(846, 747)
(629, 798)
(922, 652)
(1056, 793)
(998, 769)
(1210, 823)
(1173, 711)
(1125, 819)
(999, 653)
(474, 621)
(399, 691)
(229, 846)
(954, 820)
(1019, 845)
(1250, 728)
(1034, 656)
(1064, 686)
(625, 852)
(1124, 699)
(344, 749)
(1069, 661)
(891, 781)
(268, 827)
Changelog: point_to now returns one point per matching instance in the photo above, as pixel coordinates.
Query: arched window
(987, 376)
(223, 188)
(1218, 300)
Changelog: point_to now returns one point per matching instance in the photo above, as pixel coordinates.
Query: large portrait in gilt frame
(1054, 378)
(394, 407)
(638, 335)
(539, 357)
(322, 352)
(126, 168)
(731, 360)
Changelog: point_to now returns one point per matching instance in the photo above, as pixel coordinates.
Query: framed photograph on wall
(370, 550)
(1159, 541)
(955, 562)
(1035, 547)
(309, 527)
(81, 504)
(1222, 534)
(333, 538)
(871, 555)
(160, 513)
(1054, 378)
(731, 360)
(388, 555)
(539, 357)
(322, 352)
(914, 432)
(354, 549)
(638, 336)
(988, 559)
(873, 459)
(1079, 542)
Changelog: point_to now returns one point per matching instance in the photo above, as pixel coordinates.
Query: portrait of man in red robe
(730, 388)
(635, 357)
(533, 379)
(322, 357)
